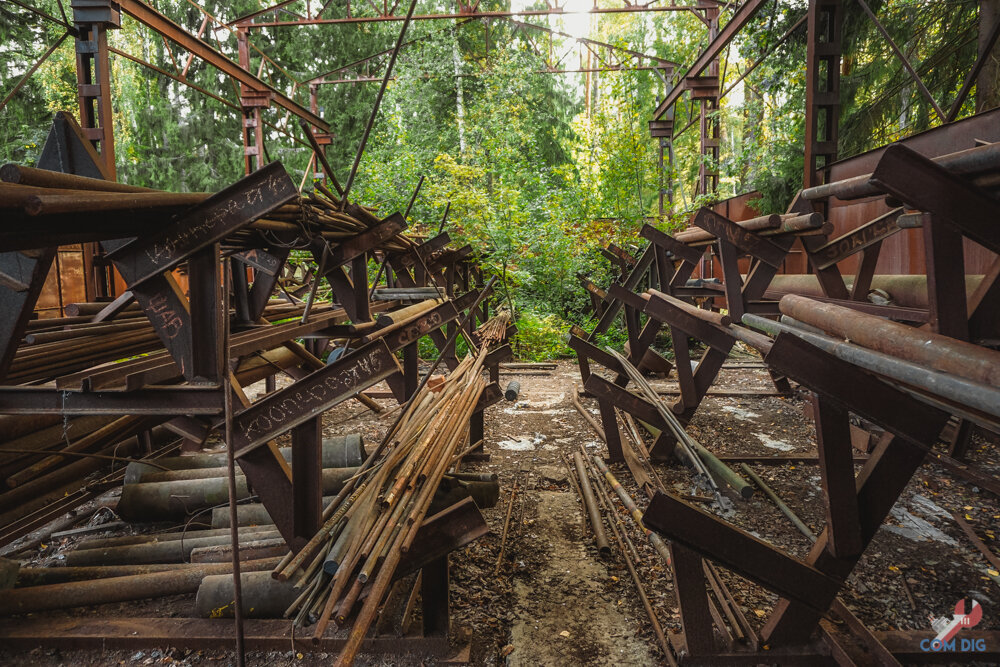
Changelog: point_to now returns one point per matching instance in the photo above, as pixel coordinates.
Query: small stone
(555, 474)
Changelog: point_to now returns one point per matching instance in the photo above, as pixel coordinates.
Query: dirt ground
(551, 599)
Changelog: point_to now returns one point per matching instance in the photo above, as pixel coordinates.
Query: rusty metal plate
(312, 395)
(750, 243)
(218, 216)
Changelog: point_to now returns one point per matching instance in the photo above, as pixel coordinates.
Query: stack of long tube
(369, 530)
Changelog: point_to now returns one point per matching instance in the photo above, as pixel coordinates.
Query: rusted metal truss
(188, 259)
(395, 12)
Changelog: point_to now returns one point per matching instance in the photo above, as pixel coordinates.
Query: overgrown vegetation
(540, 170)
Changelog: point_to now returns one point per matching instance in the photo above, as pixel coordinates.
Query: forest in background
(537, 170)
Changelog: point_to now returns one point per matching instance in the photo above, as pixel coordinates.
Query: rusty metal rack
(908, 357)
(160, 367)
(881, 259)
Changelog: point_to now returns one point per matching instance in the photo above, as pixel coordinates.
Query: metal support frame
(856, 508)
(823, 51)
(93, 74)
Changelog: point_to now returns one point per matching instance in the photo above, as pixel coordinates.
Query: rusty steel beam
(745, 240)
(399, 336)
(740, 551)
(161, 24)
(743, 15)
(169, 401)
(925, 184)
(218, 216)
(319, 391)
(475, 15)
(642, 265)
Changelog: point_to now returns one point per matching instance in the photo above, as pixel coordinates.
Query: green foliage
(540, 337)
(615, 338)
(427, 350)
(539, 170)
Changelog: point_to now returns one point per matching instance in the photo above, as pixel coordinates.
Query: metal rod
(631, 558)
(941, 353)
(785, 509)
(587, 492)
(633, 509)
(176, 581)
(375, 107)
(315, 284)
(234, 531)
(413, 197)
(333, 510)
(720, 469)
(586, 415)
(320, 155)
(683, 438)
(445, 217)
(971, 162)
(976, 541)
(506, 526)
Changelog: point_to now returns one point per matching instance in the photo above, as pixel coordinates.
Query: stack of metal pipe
(62, 203)
(374, 520)
(965, 375)
(492, 331)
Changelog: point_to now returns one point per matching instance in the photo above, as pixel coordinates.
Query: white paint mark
(740, 413)
(522, 443)
(770, 442)
(917, 529)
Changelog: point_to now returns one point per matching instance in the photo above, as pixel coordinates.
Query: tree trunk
(459, 96)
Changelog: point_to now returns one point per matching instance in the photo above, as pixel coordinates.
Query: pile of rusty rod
(965, 375)
(809, 224)
(586, 469)
(57, 346)
(492, 331)
(373, 522)
(706, 465)
(50, 200)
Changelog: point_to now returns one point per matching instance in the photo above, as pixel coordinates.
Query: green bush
(615, 338)
(427, 350)
(540, 337)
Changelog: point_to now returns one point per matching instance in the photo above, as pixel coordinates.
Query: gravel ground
(553, 600)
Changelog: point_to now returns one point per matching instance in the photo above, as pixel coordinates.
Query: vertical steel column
(204, 278)
(93, 75)
(411, 376)
(92, 19)
(323, 139)
(251, 102)
(708, 172)
(434, 596)
(825, 25)
(307, 477)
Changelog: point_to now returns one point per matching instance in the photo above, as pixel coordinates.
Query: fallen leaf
(564, 633)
